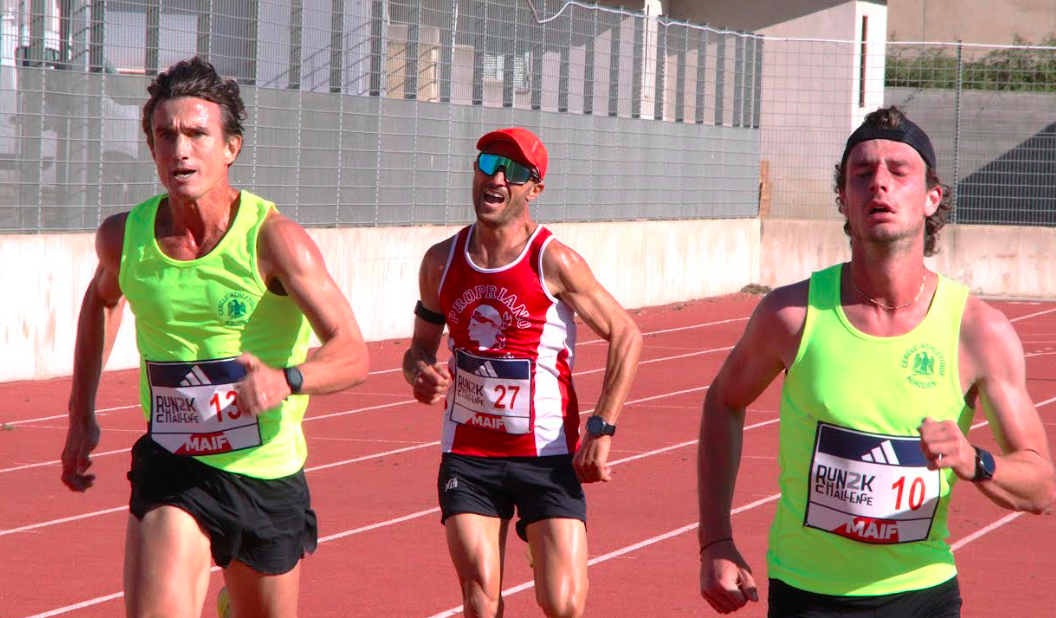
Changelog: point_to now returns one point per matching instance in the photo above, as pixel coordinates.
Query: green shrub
(1011, 69)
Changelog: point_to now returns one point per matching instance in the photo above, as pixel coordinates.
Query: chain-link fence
(990, 112)
(366, 112)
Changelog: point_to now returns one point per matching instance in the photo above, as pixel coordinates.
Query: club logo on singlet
(486, 327)
(235, 308)
(492, 310)
(924, 364)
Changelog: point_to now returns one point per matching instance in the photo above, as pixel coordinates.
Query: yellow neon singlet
(859, 512)
(193, 318)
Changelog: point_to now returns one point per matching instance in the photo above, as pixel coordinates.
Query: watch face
(595, 425)
(984, 464)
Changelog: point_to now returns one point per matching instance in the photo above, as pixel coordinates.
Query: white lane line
(81, 605)
(665, 358)
(349, 412)
(339, 535)
(381, 524)
(118, 595)
(619, 552)
(54, 522)
(374, 456)
(393, 370)
(54, 462)
(319, 467)
(1033, 354)
(99, 412)
(679, 329)
(984, 531)
(1023, 317)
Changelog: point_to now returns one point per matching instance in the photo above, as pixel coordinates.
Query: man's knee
(478, 603)
(569, 603)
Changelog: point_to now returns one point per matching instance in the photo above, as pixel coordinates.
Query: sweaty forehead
(875, 150)
(186, 111)
(506, 149)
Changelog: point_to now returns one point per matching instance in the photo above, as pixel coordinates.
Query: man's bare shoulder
(986, 331)
(284, 241)
(110, 239)
(436, 255)
(784, 309)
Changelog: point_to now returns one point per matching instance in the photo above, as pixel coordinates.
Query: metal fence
(366, 112)
(990, 112)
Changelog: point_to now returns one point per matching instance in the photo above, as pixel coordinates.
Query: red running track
(372, 468)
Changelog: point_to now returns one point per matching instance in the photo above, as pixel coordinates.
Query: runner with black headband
(886, 363)
(508, 293)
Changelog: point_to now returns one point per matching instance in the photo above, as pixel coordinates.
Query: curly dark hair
(196, 78)
(891, 118)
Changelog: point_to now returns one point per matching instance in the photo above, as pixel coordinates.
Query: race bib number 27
(493, 393)
(194, 407)
(871, 488)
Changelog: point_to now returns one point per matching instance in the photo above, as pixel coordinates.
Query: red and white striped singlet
(511, 347)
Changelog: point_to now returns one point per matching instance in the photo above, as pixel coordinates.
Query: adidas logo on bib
(195, 377)
(486, 370)
(884, 453)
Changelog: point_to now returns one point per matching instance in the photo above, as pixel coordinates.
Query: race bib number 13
(194, 407)
(871, 488)
(493, 393)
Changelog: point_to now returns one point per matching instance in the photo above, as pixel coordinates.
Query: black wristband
(429, 316)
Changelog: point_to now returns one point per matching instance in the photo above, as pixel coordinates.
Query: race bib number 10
(194, 407)
(493, 393)
(871, 488)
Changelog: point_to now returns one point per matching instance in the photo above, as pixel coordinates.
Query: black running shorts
(540, 488)
(267, 524)
(942, 601)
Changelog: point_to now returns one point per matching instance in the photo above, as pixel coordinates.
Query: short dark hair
(195, 78)
(892, 118)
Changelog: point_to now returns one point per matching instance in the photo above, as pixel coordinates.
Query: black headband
(907, 133)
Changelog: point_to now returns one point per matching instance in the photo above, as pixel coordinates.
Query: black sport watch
(294, 379)
(984, 465)
(597, 427)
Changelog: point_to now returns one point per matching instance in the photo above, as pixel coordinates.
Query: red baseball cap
(532, 150)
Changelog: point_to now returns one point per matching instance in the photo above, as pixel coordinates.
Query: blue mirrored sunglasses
(516, 173)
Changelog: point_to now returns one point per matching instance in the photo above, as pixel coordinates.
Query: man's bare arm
(569, 278)
(1025, 479)
(97, 326)
(290, 257)
(767, 347)
(428, 379)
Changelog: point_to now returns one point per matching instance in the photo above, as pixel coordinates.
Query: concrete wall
(1001, 261)
(812, 100)
(642, 263)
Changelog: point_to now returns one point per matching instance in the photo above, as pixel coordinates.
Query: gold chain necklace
(889, 307)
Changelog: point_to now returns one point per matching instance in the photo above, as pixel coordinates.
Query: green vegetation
(1010, 69)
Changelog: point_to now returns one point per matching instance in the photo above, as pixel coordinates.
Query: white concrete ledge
(642, 263)
(992, 260)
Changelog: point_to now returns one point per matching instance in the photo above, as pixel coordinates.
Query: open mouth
(183, 174)
(880, 209)
(493, 198)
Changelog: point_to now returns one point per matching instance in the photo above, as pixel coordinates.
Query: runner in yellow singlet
(224, 290)
(886, 365)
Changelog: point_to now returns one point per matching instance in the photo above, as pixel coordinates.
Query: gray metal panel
(316, 143)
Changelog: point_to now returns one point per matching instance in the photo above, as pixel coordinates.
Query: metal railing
(367, 112)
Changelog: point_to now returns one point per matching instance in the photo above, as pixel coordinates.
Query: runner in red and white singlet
(511, 347)
(507, 291)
